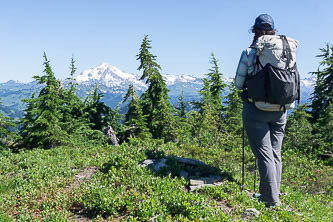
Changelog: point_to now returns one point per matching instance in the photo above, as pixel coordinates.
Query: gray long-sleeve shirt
(246, 66)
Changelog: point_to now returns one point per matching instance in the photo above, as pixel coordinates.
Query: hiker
(264, 118)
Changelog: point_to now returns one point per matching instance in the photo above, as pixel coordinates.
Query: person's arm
(241, 72)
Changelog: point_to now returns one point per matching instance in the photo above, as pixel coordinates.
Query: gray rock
(159, 164)
(252, 212)
(184, 174)
(206, 180)
(156, 165)
(197, 182)
(218, 183)
(188, 161)
(146, 163)
(213, 179)
(196, 187)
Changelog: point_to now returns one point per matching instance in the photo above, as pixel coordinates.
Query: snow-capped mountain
(173, 79)
(111, 76)
(113, 83)
(308, 82)
(112, 80)
(307, 87)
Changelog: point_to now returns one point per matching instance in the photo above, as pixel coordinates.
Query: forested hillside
(74, 159)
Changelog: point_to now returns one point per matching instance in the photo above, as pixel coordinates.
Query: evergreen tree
(204, 127)
(71, 79)
(299, 130)
(57, 116)
(72, 108)
(181, 130)
(212, 90)
(207, 122)
(323, 91)
(324, 129)
(42, 125)
(99, 115)
(180, 109)
(322, 100)
(233, 111)
(210, 107)
(207, 106)
(216, 84)
(135, 121)
(206, 94)
(155, 100)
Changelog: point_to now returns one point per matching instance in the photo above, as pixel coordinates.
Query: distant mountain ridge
(113, 83)
(111, 76)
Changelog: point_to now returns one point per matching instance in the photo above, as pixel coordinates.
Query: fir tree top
(147, 60)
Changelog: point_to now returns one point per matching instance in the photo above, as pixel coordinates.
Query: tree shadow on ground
(165, 165)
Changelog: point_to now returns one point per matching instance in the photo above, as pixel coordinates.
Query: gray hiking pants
(265, 131)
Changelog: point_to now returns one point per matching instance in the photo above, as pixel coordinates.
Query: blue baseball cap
(262, 21)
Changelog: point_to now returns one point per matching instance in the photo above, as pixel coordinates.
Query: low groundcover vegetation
(43, 185)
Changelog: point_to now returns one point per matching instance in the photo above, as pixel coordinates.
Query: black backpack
(275, 85)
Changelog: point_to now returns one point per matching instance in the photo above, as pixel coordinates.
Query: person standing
(264, 122)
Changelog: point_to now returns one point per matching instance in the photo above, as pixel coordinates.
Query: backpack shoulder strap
(258, 63)
(286, 54)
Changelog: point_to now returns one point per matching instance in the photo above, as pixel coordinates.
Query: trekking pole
(255, 175)
(243, 159)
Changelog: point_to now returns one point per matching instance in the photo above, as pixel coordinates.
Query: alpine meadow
(74, 158)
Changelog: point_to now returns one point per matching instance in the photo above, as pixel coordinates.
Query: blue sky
(183, 33)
